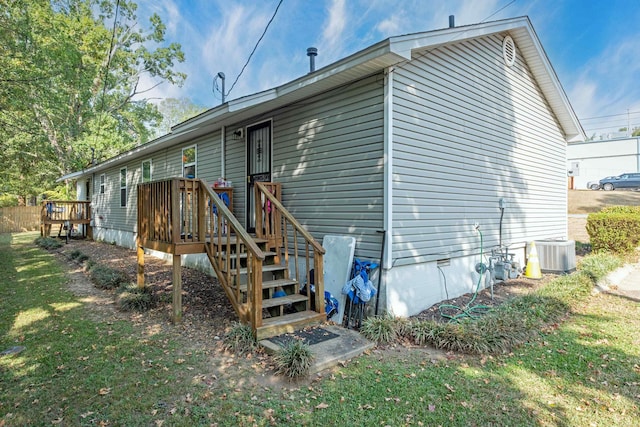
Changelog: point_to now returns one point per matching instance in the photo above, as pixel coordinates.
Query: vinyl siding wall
(166, 163)
(467, 131)
(328, 155)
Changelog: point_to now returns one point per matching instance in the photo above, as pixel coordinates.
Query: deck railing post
(258, 211)
(256, 293)
(177, 289)
(201, 209)
(319, 279)
(175, 228)
(140, 275)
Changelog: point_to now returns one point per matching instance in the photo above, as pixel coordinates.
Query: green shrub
(83, 258)
(48, 243)
(240, 339)
(133, 298)
(75, 254)
(294, 359)
(89, 264)
(107, 278)
(633, 210)
(615, 229)
(381, 329)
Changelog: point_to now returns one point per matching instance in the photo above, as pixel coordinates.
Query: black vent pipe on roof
(452, 21)
(312, 52)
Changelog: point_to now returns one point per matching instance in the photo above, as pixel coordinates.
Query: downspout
(386, 254)
(223, 146)
(388, 168)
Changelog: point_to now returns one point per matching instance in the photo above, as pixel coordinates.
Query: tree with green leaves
(71, 74)
(174, 111)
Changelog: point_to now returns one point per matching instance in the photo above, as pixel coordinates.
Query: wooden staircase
(280, 313)
(181, 216)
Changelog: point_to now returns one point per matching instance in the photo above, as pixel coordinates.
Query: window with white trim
(123, 187)
(189, 162)
(146, 171)
(103, 181)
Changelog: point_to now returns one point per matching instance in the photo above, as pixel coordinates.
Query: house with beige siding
(406, 145)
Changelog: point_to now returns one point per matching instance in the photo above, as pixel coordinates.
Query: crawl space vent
(509, 51)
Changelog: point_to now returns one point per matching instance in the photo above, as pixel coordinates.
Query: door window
(189, 162)
(258, 165)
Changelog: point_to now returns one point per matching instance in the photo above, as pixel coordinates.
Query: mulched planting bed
(207, 311)
(502, 291)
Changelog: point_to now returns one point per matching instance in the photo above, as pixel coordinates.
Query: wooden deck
(67, 214)
(261, 274)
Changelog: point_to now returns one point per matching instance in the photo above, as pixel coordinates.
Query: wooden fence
(19, 218)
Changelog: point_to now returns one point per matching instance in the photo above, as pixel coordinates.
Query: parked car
(594, 185)
(626, 180)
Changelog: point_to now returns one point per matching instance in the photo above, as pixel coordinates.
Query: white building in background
(594, 160)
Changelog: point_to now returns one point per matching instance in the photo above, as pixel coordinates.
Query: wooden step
(271, 284)
(233, 240)
(243, 255)
(289, 299)
(288, 323)
(265, 269)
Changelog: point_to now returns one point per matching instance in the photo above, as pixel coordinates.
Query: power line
(611, 115)
(255, 47)
(499, 10)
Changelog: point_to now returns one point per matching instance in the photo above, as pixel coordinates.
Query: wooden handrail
(276, 203)
(233, 221)
(65, 210)
(277, 219)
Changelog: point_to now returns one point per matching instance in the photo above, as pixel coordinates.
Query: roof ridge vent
(509, 51)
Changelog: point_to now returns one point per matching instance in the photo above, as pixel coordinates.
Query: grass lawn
(76, 369)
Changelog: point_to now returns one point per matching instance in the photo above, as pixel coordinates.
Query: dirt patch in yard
(207, 311)
(588, 201)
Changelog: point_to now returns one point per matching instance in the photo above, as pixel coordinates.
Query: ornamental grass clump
(78, 256)
(240, 339)
(48, 243)
(506, 326)
(134, 298)
(107, 278)
(381, 329)
(294, 359)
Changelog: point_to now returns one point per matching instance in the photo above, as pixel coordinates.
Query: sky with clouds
(593, 45)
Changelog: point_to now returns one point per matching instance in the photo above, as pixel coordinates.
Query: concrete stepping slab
(330, 345)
